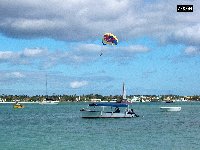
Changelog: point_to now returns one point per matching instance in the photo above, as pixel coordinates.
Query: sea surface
(60, 127)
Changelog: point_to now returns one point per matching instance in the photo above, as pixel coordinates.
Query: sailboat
(48, 100)
(124, 99)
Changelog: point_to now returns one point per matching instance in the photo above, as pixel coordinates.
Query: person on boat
(131, 111)
(117, 110)
(83, 109)
(17, 103)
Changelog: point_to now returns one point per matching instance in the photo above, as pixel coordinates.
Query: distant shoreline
(19, 102)
(78, 102)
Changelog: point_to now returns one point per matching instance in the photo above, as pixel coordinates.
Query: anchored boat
(108, 110)
(170, 108)
(49, 101)
(18, 105)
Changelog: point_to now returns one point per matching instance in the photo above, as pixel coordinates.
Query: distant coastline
(20, 102)
(96, 98)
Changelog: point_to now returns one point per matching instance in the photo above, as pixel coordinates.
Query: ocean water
(60, 127)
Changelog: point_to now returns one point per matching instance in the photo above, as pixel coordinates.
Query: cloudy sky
(158, 50)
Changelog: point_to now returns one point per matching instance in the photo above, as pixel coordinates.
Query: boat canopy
(109, 104)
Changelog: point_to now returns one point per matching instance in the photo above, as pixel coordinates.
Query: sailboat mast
(124, 92)
(46, 86)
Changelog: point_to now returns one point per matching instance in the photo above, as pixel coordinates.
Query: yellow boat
(18, 106)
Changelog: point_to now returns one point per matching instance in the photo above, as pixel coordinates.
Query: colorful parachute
(110, 39)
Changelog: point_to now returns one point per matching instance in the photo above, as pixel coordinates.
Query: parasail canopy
(109, 39)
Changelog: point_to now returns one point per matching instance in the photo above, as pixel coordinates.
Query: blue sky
(158, 50)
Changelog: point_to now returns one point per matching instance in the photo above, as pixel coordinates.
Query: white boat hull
(49, 102)
(101, 114)
(170, 108)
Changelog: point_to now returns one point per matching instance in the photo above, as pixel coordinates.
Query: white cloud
(27, 52)
(17, 75)
(6, 55)
(134, 49)
(24, 57)
(94, 48)
(78, 84)
(88, 48)
(12, 75)
(192, 51)
(88, 20)
(189, 35)
(78, 54)
(33, 52)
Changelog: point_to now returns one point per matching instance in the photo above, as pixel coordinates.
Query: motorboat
(108, 110)
(17, 105)
(170, 108)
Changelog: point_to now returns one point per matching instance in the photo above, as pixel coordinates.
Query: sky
(60, 41)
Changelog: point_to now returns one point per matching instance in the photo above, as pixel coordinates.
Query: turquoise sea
(60, 127)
